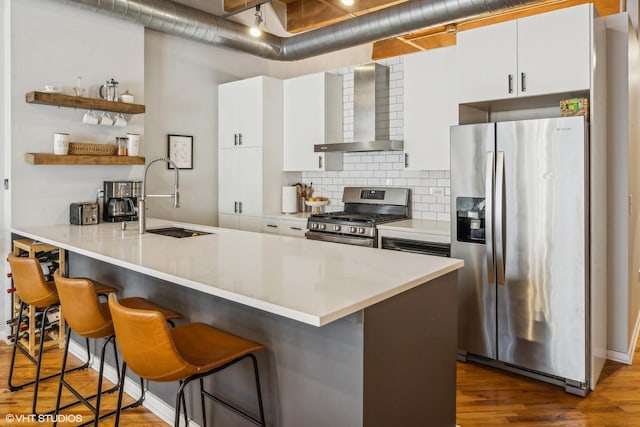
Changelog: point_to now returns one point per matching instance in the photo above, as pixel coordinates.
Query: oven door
(335, 238)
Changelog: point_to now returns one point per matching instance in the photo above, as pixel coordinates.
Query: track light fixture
(255, 28)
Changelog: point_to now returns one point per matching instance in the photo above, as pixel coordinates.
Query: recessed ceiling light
(347, 2)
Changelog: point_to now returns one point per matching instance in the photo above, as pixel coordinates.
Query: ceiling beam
(440, 36)
(304, 15)
(231, 7)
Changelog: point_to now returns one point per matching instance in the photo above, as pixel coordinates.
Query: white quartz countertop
(308, 281)
(419, 226)
(300, 216)
(417, 229)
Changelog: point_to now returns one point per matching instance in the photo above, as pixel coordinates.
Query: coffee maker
(120, 200)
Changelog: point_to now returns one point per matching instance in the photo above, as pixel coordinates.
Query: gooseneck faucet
(176, 196)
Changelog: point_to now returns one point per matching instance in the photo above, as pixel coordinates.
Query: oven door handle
(328, 237)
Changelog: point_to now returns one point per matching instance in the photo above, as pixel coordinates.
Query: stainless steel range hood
(370, 113)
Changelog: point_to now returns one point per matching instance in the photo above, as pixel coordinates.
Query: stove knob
(336, 228)
(361, 230)
(323, 226)
(352, 229)
(314, 225)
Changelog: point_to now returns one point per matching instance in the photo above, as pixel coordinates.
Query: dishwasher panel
(416, 246)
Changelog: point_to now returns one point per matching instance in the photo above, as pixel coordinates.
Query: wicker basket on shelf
(92, 149)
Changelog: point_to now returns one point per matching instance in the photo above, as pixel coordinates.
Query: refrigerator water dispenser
(470, 219)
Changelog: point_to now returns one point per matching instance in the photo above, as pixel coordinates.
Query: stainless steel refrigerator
(520, 221)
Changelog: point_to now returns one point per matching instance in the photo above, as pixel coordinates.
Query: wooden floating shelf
(56, 159)
(61, 100)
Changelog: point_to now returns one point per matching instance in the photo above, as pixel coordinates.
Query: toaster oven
(83, 213)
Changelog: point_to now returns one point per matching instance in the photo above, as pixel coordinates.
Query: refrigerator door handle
(499, 217)
(488, 185)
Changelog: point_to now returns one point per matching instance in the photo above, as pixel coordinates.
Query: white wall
(181, 88)
(623, 296)
(5, 149)
(53, 43)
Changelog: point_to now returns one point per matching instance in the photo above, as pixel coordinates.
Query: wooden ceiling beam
(231, 6)
(438, 36)
(304, 15)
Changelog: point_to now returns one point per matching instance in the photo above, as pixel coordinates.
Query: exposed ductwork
(184, 21)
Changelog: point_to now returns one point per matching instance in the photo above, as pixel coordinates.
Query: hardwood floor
(485, 397)
(19, 402)
(488, 397)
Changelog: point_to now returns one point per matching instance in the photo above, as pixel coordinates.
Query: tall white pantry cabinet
(250, 152)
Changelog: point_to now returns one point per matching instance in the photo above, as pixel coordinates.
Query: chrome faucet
(176, 196)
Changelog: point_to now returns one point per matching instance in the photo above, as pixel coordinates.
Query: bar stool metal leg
(119, 407)
(82, 399)
(37, 362)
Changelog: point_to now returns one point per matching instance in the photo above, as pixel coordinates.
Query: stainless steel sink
(178, 232)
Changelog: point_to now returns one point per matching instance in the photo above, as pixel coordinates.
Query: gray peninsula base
(392, 364)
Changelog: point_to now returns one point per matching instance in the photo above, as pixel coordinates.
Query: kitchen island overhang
(369, 333)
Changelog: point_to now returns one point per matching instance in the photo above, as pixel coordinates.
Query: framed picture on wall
(181, 151)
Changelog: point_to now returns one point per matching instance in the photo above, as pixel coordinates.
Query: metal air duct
(184, 21)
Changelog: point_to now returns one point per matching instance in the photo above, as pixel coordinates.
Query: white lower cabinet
(284, 227)
(430, 108)
(240, 222)
(240, 190)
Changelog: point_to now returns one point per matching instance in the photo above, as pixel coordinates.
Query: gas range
(364, 209)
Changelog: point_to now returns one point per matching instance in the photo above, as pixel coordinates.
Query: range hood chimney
(370, 113)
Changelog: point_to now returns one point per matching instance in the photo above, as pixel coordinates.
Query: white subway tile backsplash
(430, 190)
(398, 91)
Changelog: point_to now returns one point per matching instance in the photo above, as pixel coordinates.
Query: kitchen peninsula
(354, 336)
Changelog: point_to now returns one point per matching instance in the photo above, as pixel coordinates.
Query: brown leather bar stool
(33, 289)
(186, 353)
(88, 317)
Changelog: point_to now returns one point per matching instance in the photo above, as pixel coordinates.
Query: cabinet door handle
(296, 228)
(239, 139)
(235, 139)
(523, 82)
(235, 207)
(272, 226)
(319, 162)
(239, 207)
(510, 83)
(406, 160)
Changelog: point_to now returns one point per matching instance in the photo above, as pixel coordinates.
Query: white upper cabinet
(241, 118)
(537, 55)
(430, 108)
(312, 115)
(487, 62)
(558, 48)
